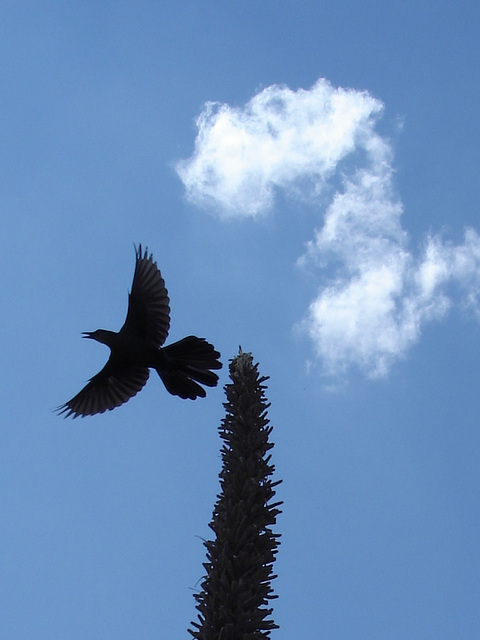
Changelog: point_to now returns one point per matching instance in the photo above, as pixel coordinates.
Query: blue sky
(306, 176)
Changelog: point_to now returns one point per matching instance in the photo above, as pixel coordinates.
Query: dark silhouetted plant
(233, 603)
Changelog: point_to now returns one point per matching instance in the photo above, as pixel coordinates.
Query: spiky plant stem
(233, 603)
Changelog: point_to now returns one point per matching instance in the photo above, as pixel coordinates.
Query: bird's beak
(87, 334)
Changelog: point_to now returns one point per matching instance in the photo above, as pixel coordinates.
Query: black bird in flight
(183, 366)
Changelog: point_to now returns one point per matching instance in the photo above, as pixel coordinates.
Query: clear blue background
(102, 519)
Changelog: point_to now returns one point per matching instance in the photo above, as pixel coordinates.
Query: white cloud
(376, 295)
(280, 136)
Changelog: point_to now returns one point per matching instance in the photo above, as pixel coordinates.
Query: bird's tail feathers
(188, 364)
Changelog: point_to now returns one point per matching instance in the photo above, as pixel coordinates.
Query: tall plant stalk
(234, 601)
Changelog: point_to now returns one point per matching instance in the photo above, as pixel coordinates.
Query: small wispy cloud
(279, 137)
(375, 294)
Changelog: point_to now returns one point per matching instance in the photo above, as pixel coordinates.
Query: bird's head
(100, 335)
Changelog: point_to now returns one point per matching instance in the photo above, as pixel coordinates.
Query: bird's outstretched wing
(108, 389)
(148, 315)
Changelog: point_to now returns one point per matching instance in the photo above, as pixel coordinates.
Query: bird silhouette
(183, 366)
